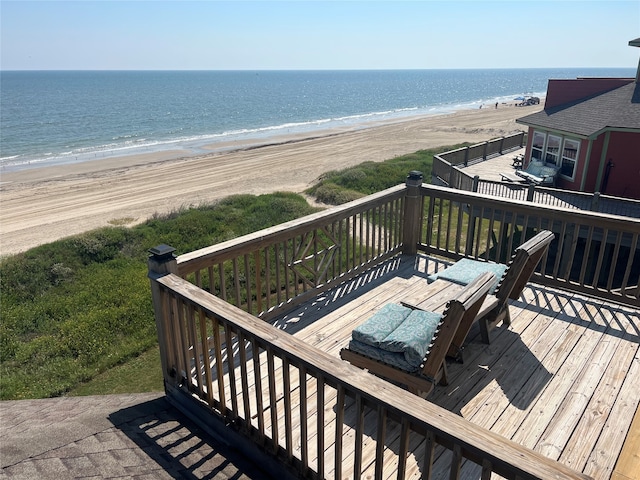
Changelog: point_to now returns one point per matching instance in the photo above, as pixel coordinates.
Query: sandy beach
(41, 205)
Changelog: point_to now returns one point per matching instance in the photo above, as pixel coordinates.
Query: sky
(303, 35)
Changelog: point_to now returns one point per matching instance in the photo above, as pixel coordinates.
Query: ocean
(61, 117)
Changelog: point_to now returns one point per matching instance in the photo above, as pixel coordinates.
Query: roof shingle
(616, 109)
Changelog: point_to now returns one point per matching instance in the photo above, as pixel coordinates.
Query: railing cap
(414, 178)
(162, 252)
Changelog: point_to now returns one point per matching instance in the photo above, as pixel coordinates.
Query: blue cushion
(397, 336)
(394, 359)
(413, 336)
(465, 271)
(381, 324)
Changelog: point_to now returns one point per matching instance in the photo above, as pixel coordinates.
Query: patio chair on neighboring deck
(409, 346)
(513, 277)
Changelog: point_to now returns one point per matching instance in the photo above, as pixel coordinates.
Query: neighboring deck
(492, 182)
(562, 379)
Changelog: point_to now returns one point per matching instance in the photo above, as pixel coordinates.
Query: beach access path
(41, 205)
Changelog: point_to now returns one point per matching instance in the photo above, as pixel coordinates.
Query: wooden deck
(500, 168)
(562, 379)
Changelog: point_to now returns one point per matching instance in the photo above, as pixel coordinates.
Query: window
(553, 149)
(537, 146)
(569, 157)
(556, 150)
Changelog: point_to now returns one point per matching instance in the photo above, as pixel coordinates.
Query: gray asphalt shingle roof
(136, 436)
(617, 108)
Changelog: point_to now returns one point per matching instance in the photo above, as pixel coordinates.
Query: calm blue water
(62, 117)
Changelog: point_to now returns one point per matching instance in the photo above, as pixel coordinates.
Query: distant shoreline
(40, 205)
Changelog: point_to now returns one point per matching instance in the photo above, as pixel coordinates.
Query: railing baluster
(304, 425)
(247, 285)
(257, 381)
(236, 283)
(244, 378)
(180, 327)
(288, 409)
(381, 433)
(627, 273)
(403, 449)
(217, 345)
(340, 406)
(429, 450)
(204, 348)
(585, 256)
(273, 399)
(602, 249)
(195, 346)
(285, 253)
(614, 260)
(258, 281)
(231, 369)
(320, 423)
(359, 427)
(456, 462)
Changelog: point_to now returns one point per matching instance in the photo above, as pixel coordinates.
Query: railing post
(484, 152)
(476, 181)
(161, 262)
(412, 208)
(466, 157)
(530, 191)
(595, 202)
(501, 144)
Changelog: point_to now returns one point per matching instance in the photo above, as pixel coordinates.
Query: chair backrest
(463, 308)
(522, 265)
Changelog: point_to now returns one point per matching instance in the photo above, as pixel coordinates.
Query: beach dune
(41, 205)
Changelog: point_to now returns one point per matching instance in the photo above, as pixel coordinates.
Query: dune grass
(78, 307)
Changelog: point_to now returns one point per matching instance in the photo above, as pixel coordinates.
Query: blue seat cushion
(465, 271)
(404, 346)
(381, 324)
(413, 337)
(394, 359)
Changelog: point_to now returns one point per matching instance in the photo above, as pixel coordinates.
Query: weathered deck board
(562, 379)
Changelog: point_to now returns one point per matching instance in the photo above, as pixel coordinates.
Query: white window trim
(560, 157)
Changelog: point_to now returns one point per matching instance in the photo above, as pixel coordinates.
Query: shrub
(337, 187)
(333, 194)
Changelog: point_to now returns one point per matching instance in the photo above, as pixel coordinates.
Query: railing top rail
(550, 212)
(561, 192)
(286, 230)
(507, 457)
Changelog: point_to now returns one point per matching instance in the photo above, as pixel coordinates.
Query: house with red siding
(590, 129)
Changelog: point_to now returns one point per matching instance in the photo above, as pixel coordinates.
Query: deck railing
(479, 152)
(290, 398)
(285, 265)
(448, 170)
(311, 411)
(592, 253)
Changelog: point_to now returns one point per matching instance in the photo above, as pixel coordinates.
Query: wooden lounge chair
(409, 346)
(513, 277)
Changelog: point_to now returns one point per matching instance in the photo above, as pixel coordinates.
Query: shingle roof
(137, 436)
(617, 108)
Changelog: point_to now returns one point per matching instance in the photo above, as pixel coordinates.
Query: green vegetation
(75, 308)
(338, 187)
(76, 314)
